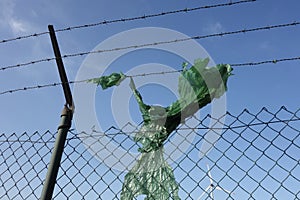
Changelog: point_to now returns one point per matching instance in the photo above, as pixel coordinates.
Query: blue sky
(252, 87)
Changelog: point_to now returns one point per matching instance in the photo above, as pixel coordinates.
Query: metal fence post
(53, 167)
(66, 120)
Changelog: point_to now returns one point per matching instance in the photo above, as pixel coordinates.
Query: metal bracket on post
(66, 120)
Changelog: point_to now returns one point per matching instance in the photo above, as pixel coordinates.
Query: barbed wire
(25, 141)
(30, 88)
(27, 63)
(227, 127)
(185, 10)
(265, 62)
(122, 131)
(127, 19)
(220, 34)
(23, 37)
(273, 61)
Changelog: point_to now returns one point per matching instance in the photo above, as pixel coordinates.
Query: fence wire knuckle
(257, 156)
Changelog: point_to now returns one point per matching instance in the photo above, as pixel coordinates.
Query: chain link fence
(257, 156)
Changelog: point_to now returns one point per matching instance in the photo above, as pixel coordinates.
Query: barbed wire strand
(27, 63)
(120, 131)
(185, 10)
(273, 61)
(23, 37)
(220, 34)
(183, 39)
(106, 22)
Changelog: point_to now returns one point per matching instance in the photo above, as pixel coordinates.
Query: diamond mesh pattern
(256, 157)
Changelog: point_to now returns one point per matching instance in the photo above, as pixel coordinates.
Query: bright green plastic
(109, 81)
(152, 175)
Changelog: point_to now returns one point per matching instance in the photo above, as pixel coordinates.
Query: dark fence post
(66, 120)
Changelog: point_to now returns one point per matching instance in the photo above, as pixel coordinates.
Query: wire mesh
(257, 156)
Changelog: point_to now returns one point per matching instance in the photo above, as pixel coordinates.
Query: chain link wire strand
(256, 157)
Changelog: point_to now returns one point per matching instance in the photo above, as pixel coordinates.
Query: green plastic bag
(109, 81)
(152, 175)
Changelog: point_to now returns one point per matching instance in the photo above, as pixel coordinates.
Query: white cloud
(18, 26)
(15, 23)
(9, 19)
(214, 28)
